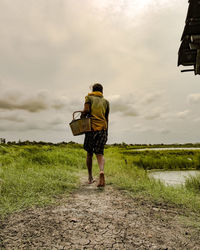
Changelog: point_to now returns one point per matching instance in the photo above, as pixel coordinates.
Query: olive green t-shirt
(99, 109)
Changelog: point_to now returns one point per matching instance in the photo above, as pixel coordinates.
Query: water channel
(152, 149)
(172, 177)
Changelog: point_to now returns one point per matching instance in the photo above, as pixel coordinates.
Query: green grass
(38, 174)
(35, 175)
(193, 183)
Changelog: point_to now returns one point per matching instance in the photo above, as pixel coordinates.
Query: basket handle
(75, 113)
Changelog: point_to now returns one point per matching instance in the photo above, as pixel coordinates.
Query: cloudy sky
(52, 51)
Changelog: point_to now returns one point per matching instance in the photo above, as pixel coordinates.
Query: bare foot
(91, 180)
(101, 180)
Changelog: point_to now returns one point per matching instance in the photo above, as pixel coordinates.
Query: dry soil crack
(97, 219)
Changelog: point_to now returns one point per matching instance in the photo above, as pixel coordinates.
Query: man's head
(97, 87)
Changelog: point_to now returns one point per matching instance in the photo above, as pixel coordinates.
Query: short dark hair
(97, 87)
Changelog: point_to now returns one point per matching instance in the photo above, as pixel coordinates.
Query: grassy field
(38, 174)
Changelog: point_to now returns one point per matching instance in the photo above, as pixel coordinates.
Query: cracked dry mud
(92, 218)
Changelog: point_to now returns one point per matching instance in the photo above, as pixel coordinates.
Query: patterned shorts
(95, 141)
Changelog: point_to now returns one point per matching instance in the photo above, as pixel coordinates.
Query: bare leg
(101, 162)
(89, 166)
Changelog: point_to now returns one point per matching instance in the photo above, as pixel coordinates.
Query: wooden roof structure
(189, 51)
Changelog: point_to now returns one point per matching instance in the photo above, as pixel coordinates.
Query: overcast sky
(52, 51)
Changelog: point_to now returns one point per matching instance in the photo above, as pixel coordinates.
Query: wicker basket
(80, 126)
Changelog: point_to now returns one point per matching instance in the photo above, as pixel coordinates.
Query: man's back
(99, 109)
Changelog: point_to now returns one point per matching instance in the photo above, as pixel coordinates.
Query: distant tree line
(2, 140)
(27, 142)
(123, 144)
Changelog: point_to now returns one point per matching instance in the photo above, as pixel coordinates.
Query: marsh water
(173, 177)
(145, 149)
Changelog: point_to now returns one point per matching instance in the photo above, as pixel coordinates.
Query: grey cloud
(70, 104)
(14, 101)
(130, 112)
(183, 114)
(164, 131)
(33, 124)
(57, 120)
(32, 103)
(58, 104)
(75, 104)
(11, 117)
(194, 98)
(154, 113)
(44, 45)
(153, 116)
(151, 97)
(138, 104)
(54, 124)
(3, 128)
(49, 44)
(124, 105)
(43, 126)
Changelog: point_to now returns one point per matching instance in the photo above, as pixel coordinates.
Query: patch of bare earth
(98, 219)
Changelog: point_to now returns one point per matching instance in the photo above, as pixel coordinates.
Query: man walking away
(97, 107)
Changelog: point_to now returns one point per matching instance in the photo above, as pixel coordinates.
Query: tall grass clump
(35, 175)
(193, 183)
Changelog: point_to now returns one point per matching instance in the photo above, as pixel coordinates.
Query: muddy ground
(94, 218)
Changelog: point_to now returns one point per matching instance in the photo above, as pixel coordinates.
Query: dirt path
(98, 219)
